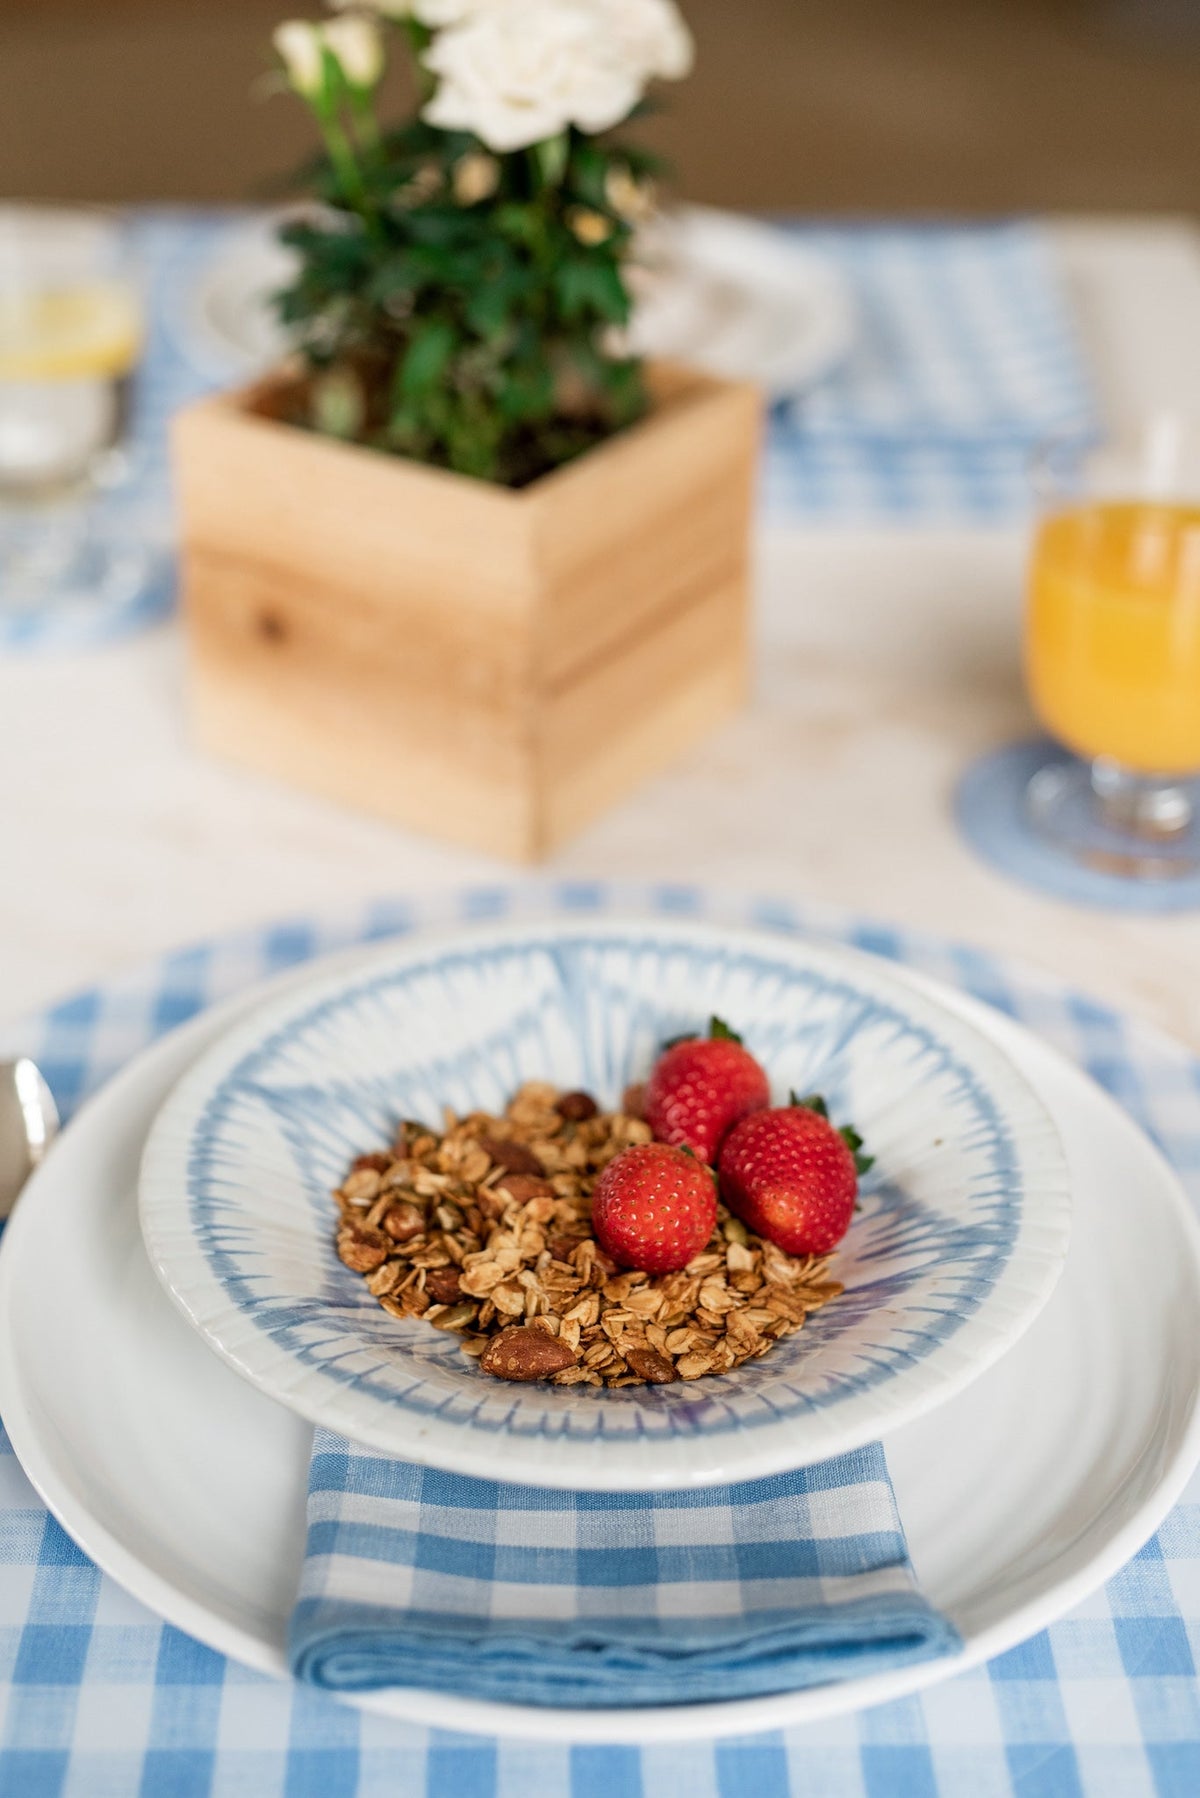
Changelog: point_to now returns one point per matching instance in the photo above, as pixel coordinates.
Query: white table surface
(887, 659)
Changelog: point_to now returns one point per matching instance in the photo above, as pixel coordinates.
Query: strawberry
(654, 1207)
(699, 1089)
(792, 1177)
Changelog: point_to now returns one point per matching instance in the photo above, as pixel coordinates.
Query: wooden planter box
(491, 666)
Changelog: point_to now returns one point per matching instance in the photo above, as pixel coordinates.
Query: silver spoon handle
(28, 1125)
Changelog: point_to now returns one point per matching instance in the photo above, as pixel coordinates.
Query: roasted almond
(443, 1284)
(649, 1365)
(513, 1157)
(577, 1107)
(523, 1187)
(525, 1354)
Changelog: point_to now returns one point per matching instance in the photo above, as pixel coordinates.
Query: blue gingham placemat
(100, 1700)
(965, 357)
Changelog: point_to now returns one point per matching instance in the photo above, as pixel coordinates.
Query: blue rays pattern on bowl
(944, 1231)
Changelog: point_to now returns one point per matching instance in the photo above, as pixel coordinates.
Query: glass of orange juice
(1112, 647)
(70, 336)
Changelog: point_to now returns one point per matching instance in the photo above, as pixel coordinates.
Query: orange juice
(1112, 639)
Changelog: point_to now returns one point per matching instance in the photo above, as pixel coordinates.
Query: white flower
(429, 12)
(520, 71)
(449, 12)
(300, 46)
(387, 9)
(357, 47)
(654, 36)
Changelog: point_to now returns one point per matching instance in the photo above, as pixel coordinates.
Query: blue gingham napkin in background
(520, 1593)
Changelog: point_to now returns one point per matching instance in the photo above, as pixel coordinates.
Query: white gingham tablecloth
(98, 1699)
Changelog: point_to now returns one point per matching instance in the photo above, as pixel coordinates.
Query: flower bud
(591, 228)
(631, 199)
(476, 178)
(300, 47)
(423, 184)
(356, 46)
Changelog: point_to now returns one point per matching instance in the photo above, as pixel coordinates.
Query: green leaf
(588, 174)
(592, 284)
(496, 298)
(527, 394)
(522, 223)
(854, 1143)
(642, 163)
(430, 349)
(814, 1102)
(719, 1032)
(625, 388)
(551, 158)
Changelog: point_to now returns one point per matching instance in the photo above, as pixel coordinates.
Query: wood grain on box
(490, 666)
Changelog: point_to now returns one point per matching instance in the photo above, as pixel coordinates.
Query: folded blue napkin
(414, 1577)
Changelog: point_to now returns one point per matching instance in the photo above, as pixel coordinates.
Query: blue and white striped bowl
(961, 1234)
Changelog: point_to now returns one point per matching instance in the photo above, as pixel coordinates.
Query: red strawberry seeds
(700, 1088)
(654, 1207)
(791, 1177)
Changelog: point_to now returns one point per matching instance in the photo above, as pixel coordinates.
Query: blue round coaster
(990, 810)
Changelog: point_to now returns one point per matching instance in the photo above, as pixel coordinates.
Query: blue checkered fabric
(100, 1700)
(519, 1593)
(965, 357)
(964, 360)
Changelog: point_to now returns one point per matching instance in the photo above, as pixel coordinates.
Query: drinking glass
(70, 336)
(1112, 647)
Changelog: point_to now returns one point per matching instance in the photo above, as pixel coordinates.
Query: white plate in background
(739, 298)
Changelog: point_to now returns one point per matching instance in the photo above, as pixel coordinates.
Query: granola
(483, 1229)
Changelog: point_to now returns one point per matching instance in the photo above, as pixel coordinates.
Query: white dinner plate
(959, 1236)
(729, 294)
(187, 1486)
(740, 298)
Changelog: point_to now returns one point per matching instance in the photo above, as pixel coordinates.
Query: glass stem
(1153, 806)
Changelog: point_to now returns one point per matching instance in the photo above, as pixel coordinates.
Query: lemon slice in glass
(90, 331)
